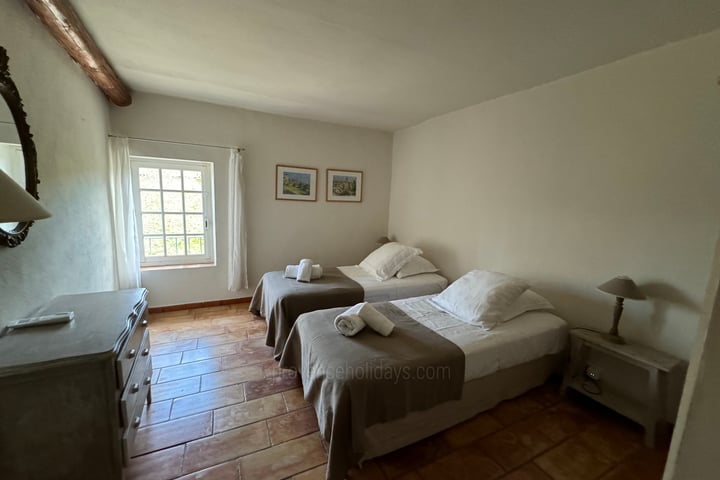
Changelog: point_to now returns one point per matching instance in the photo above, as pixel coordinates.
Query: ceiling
(384, 64)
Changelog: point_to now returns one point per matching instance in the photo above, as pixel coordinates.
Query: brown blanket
(355, 382)
(281, 301)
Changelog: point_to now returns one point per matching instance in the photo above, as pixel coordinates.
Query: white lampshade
(17, 205)
(622, 286)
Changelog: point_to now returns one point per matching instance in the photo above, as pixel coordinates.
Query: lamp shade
(17, 205)
(622, 286)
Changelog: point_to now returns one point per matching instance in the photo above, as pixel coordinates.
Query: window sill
(151, 268)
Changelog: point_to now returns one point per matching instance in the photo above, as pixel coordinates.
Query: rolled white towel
(291, 272)
(375, 320)
(349, 322)
(304, 273)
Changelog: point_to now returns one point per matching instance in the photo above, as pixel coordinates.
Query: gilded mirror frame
(10, 94)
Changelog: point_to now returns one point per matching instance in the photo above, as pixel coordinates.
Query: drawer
(129, 433)
(140, 377)
(131, 350)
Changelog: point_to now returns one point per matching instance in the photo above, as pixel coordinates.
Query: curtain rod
(180, 143)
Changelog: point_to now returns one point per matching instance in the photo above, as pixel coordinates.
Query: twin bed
(374, 394)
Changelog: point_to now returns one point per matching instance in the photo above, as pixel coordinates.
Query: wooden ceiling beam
(67, 28)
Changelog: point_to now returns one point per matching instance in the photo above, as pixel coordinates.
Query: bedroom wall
(70, 252)
(279, 232)
(612, 171)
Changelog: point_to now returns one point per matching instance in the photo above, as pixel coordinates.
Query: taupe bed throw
(356, 382)
(281, 301)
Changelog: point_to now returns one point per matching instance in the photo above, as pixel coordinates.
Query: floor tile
(572, 460)
(248, 412)
(317, 473)
(224, 378)
(612, 440)
(248, 351)
(207, 353)
(205, 401)
(294, 399)
(225, 446)
(172, 432)
(225, 471)
(156, 412)
(556, 425)
(160, 361)
(189, 370)
(410, 476)
(529, 471)
(178, 388)
(163, 465)
(369, 471)
(547, 394)
(471, 430)
(414, 456)
(219, 339)
(284, 460)
(172, 347)
(275, 384)
(463, 464)
(200, 333)
(510, 411)
(646, 464)
(515, 445)
(292, 425)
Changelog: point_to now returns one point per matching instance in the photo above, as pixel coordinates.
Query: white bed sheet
(394, 288)
(524, 338)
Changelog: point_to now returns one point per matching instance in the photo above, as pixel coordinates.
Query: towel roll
(349, 322)
(292, 270)
(375, 320)
(304, 273)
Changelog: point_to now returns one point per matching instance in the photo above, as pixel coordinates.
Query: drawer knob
(148, 380)
(132, 353)
(146, 352)
(136, 422)
(144, 323)
(135, 388)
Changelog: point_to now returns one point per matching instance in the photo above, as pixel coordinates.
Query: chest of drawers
(71, 395)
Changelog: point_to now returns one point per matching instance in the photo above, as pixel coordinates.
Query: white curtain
(127, 248)
(237, 241)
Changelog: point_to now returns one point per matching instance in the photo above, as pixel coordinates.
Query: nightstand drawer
(129, 433)
(131, 351)
(137, 387)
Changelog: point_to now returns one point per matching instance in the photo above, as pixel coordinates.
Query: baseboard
(187, 306)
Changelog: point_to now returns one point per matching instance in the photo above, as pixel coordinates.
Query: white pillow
(527, 302)
(388, 259)
(415, 266)
(480, 297)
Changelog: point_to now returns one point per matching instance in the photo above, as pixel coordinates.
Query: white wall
(70, 252)
(279, 232)
(612, 171)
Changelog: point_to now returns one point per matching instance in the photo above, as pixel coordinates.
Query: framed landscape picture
(295, 183)
(344, 185)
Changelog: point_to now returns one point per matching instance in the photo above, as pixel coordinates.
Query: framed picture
(344, 185)
(295, 183)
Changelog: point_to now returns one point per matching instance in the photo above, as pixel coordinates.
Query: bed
(369, 403)
(281, 300)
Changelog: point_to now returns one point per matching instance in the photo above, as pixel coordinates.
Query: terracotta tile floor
(223, 411)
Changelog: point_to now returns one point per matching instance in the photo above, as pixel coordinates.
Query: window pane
(196, 245)
(150, 201)
(193, 180)
(154, 247)
(194, 224)
(175, 245)
(171, 179)
(174, 224)
(152, 224)
(193, 202)
(149, 178)
(172, 202)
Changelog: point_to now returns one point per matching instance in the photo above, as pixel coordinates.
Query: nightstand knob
(146, 352)
(148, 380)
(135, 388)
(144, 323)
(136, 422)
(132, 353)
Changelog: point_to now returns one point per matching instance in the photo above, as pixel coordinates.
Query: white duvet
(522, 339)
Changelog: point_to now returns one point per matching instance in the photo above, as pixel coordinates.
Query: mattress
(524, 338)
(394, 288)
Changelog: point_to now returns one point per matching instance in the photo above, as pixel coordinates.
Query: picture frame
(294, 182)
(343, 185)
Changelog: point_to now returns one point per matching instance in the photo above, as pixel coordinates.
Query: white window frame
(208, 191)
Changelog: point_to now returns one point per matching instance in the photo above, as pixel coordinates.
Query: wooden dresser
(71, 395)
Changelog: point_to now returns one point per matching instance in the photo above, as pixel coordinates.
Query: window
(174, 205)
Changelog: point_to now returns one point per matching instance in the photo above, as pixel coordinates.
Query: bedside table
(658, 367)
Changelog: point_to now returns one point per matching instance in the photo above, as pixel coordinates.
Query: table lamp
(16, 204)
(622, 287)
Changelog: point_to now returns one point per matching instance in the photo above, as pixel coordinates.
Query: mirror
(18, 158)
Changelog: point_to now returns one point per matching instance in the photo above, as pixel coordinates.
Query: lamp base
(614, 338)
